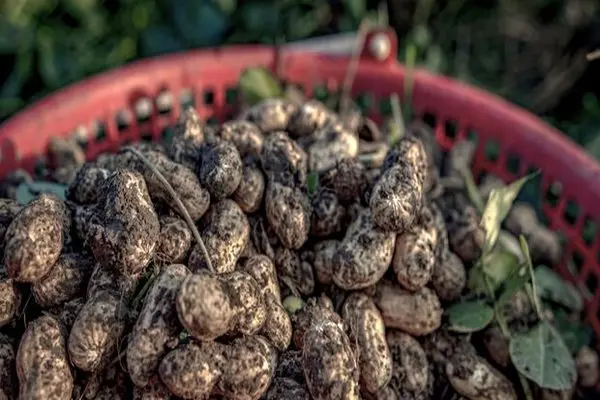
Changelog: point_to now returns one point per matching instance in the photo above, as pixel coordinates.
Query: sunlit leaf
(551, 286)
(470, 316)
(257, 84)
(542, 356)
(496, 267)
(498, 205)
(511, 244)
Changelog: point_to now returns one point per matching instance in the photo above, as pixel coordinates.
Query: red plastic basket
(93, 108)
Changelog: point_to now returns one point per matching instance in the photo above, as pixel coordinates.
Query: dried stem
(345, 98)
(373, 128)
(373, 154)
(594, 55)
(180, 205)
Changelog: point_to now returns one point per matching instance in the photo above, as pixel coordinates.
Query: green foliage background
(47, 44)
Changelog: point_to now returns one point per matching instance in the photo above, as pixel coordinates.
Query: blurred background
(531, 52)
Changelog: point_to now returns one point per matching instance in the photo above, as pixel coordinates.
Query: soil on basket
(291, 253)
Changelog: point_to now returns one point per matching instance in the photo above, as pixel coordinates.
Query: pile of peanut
(327, 291)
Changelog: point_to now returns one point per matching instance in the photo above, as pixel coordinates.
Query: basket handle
(381, 45)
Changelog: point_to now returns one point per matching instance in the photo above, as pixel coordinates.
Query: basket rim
(546, 137)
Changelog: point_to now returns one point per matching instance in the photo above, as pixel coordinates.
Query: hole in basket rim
(143, 108)
(164, 102)
(589, 231)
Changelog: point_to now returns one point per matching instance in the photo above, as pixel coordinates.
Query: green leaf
(472, 190)
(200, 22)
(477, 280)
(9, 105)
(160, 39)
(542, 356)
(471, 316)
(257, 84)
(497, 267)
(356, 8)
(574, 333)
(260, 18)
(552, 287)
(510, 243)
(13, 37)
(64, 56)
(497, 208)
(184, 337)
(517, 281)
(28, 191)
(300, 24)
(227, 6)
(89, 13)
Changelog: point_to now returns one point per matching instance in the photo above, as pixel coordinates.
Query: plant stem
(594, 55)
(346, 97)
(142, 293)
(526, 388)
(497, 312)
(180, 205)
(398, 120)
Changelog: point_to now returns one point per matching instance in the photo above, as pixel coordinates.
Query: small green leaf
(542, 356)
(551, 286)
(476, 282)
(469, 316)
(28, 191)
(258, 84)
(184, 337)
(497, 267)
(517, 281)
(472, 190)
(498, 205)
